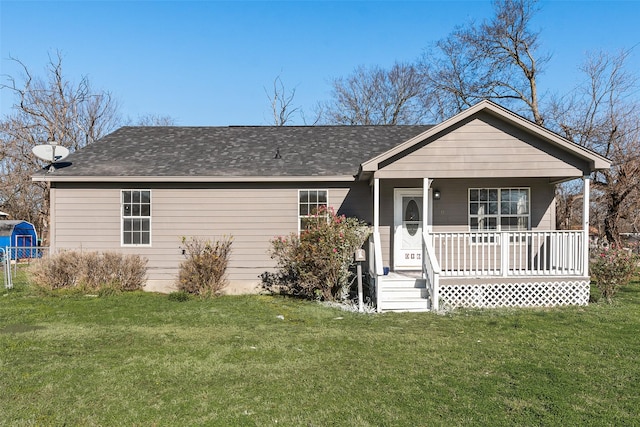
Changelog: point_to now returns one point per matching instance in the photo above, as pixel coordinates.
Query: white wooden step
(411, 304)
(403, 293)
(405, 282)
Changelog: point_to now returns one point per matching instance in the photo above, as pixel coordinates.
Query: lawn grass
(142, 359)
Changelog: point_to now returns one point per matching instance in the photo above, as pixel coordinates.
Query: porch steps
(403, 293)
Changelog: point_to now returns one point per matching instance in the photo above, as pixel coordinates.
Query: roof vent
(277, 156)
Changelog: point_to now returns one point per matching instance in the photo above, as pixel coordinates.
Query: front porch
(469, 206)
(519, 268)
(487, 270)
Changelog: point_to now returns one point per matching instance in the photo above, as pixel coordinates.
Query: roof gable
(573, 153)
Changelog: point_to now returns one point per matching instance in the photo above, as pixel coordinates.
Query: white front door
(408, 220)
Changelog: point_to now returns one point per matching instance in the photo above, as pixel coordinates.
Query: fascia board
(53, 178)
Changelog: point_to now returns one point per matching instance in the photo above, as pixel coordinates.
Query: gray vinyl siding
(450, 213)
(87, 218)
(480, 148)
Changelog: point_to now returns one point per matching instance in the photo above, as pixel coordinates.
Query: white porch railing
(510, 253)
(431, 271)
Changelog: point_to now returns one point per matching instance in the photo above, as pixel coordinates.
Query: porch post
(376, 242)
(426, 182)
(426, 226)
(585, 224)
(376, 205)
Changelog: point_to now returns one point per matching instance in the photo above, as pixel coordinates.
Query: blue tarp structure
(21, 237)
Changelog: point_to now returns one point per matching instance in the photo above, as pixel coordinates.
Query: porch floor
(499, 280)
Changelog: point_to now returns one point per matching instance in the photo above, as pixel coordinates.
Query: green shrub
(316, 264)
(89, 271)
(612, 269)
(203, 273)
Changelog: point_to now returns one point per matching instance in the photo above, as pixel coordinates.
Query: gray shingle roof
(235, 151)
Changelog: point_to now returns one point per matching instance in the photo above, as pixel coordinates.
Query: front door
(408, 220)
(23, 241)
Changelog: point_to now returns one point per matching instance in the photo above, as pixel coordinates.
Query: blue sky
(208, 63)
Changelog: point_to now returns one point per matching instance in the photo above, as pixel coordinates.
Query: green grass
(143, 359)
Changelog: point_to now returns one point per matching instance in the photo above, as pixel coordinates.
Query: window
(309, 203)
(136, 217)
(499, 209)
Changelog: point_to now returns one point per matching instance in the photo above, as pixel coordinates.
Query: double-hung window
(310, 204)
(499, 209)
(136, 217)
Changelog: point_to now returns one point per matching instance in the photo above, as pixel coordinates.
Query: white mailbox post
(360, 256)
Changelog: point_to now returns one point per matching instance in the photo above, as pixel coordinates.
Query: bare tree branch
(495, 60)
(375, 96)
(603, 114)
(51, 110)
(281, 103)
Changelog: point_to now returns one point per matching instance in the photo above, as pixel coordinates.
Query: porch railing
(510, 253)
(431, 271)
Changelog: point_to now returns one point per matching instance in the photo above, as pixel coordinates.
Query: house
(462, 213)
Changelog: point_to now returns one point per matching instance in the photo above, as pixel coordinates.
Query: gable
(483, 146)
(486, 140)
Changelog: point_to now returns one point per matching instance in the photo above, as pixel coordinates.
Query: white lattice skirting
(536, 294)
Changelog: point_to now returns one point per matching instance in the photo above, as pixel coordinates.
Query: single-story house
(462, 212)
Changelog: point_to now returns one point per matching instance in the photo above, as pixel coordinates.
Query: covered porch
(448, 269)
(464, 216)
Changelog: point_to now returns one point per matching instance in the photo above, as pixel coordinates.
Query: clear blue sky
(207, 63)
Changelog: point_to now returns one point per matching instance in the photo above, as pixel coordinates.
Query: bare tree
(281, 103)
(495, 60)
(50, 110)
(152, 120)
(603, 114)
(376, 96)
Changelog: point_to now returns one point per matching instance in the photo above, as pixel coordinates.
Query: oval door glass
(412, 217)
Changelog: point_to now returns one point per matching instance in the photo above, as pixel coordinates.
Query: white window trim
(498, 215)
(122, 217)
(299, 216)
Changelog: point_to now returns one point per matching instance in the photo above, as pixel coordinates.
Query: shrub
(59, 271)
(316, 264)
(203, 273)
(90, 271)
(612, 269)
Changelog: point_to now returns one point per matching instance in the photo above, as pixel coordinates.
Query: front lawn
(142, 359)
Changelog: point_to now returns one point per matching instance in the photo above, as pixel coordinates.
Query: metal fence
(13, 256)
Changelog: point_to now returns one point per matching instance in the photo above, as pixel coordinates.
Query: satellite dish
(50, 152)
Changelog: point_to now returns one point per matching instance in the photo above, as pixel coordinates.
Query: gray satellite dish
(51, 153)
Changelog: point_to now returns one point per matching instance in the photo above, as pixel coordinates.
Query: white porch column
(376, 205)
(426, 205)
(376, 243)
(426, 182)
(585, 224)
